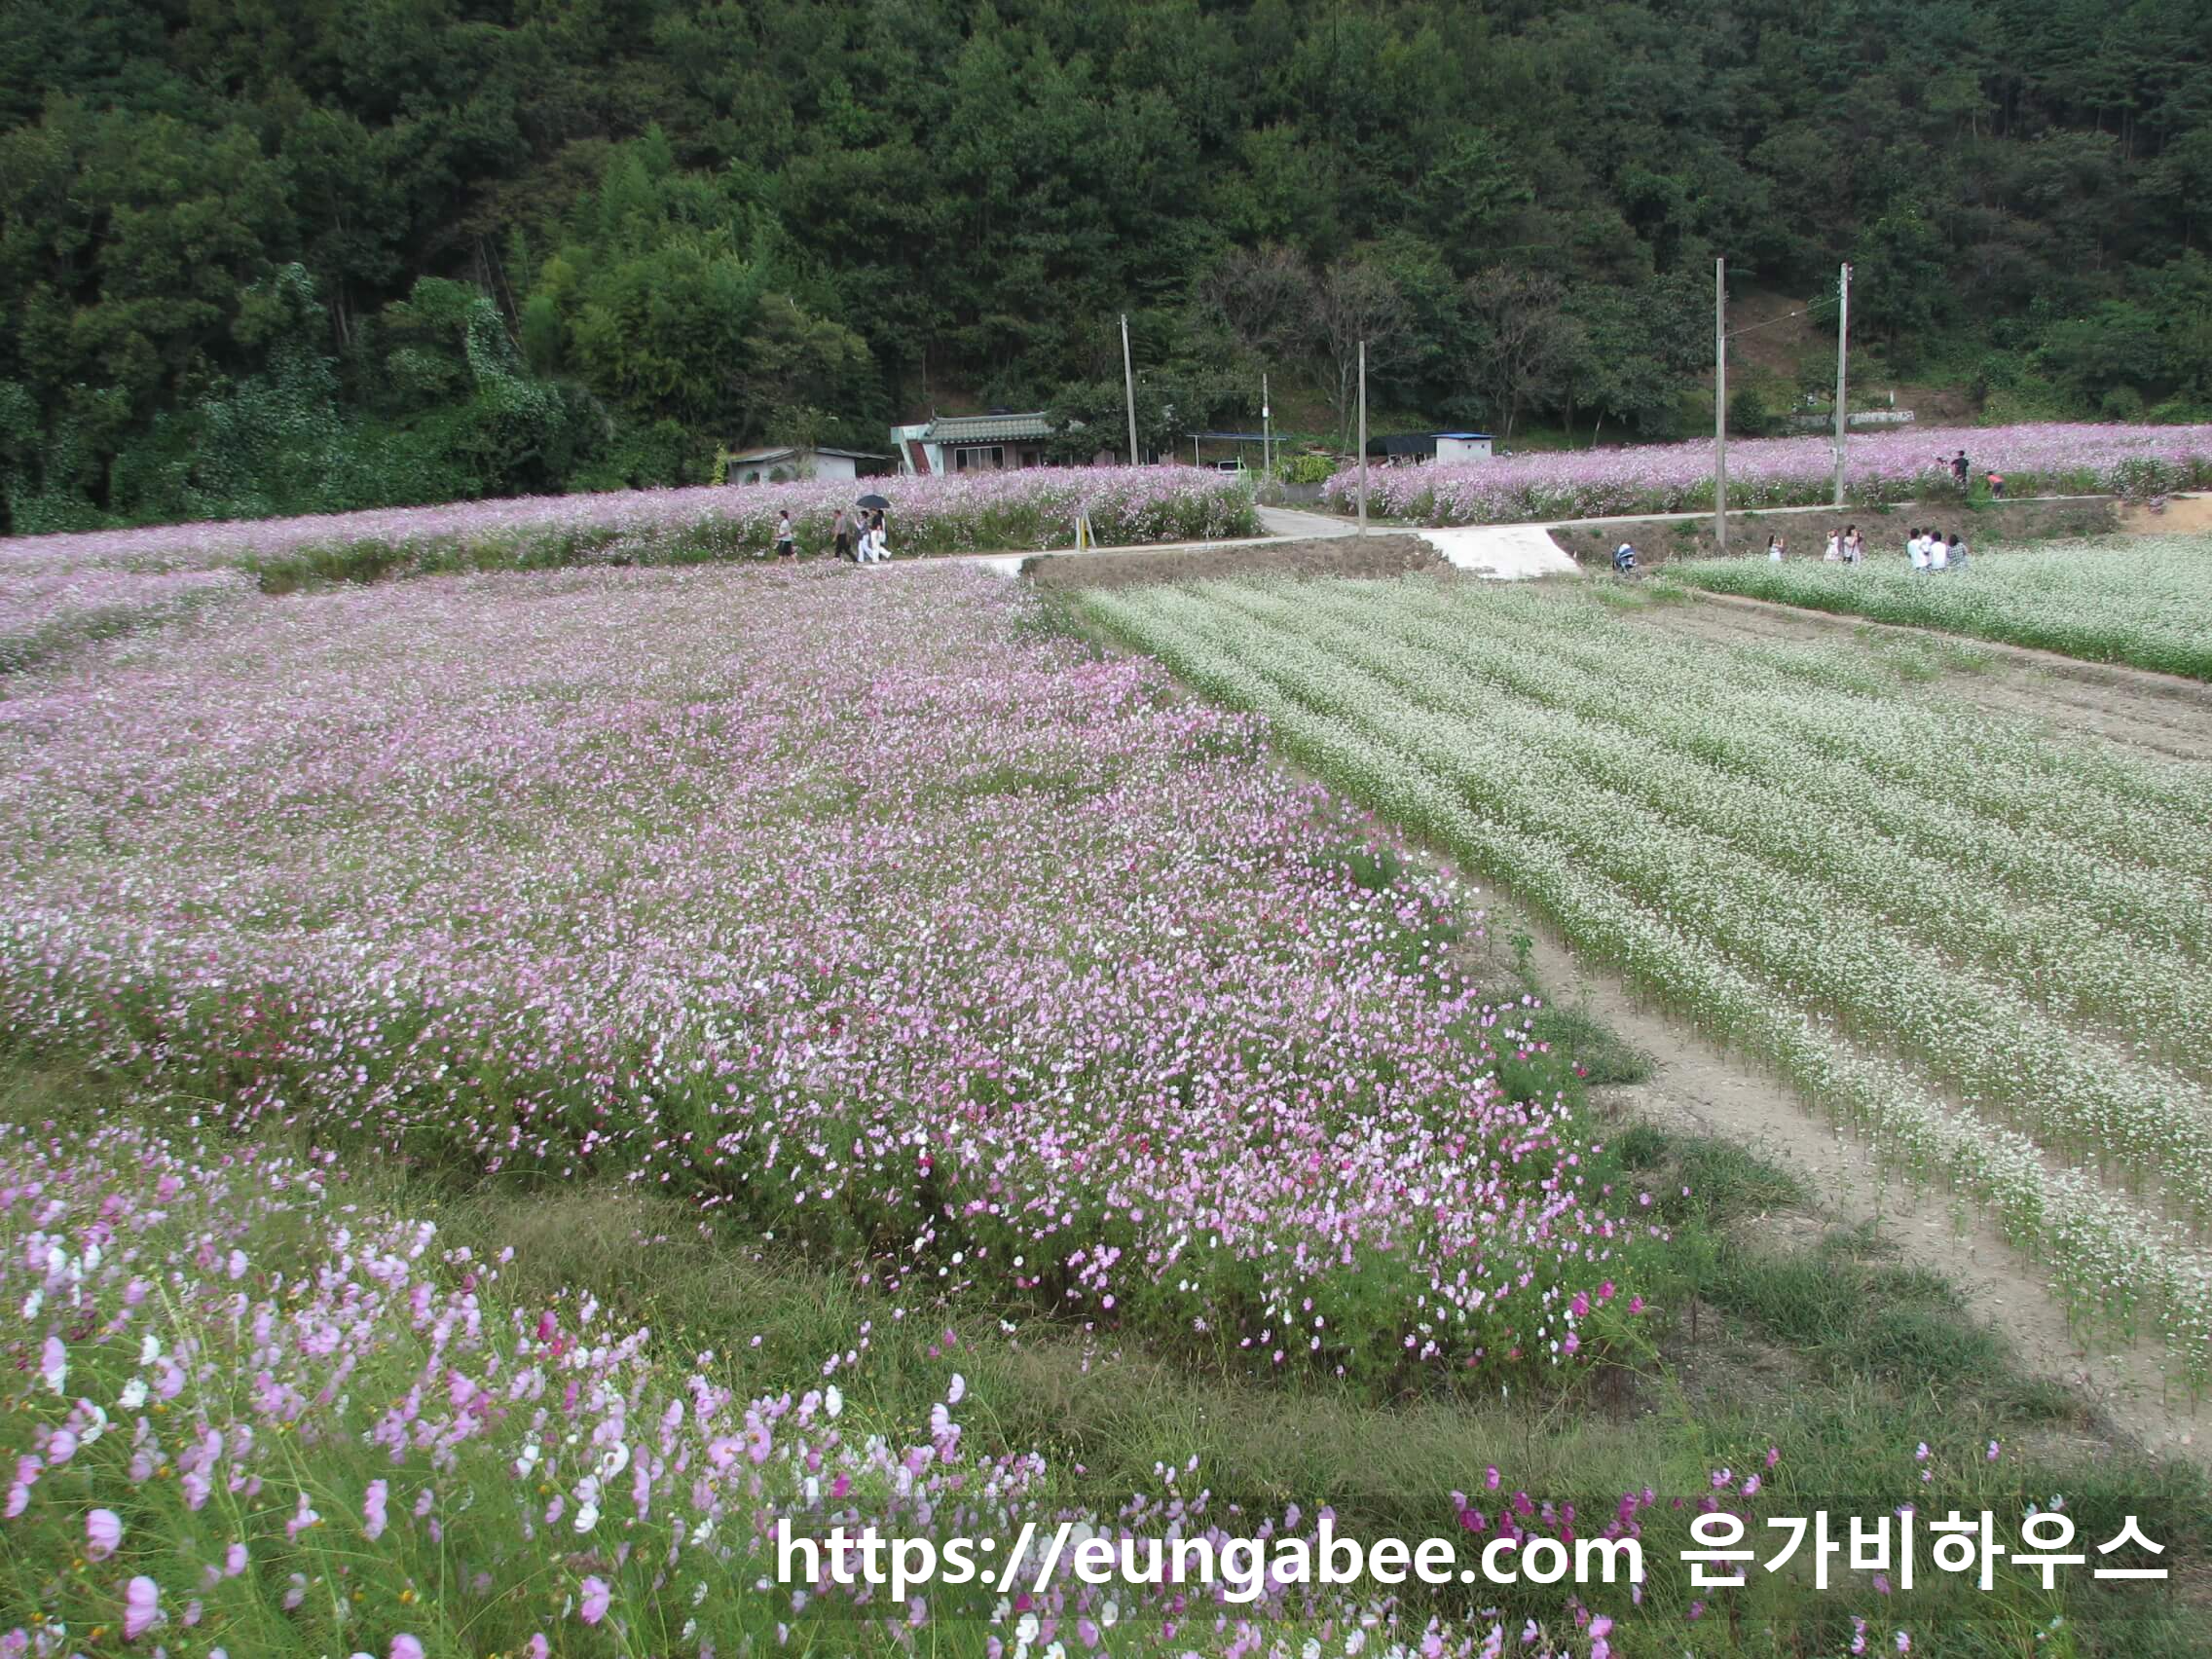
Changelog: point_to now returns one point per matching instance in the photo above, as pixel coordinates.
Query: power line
(1754, 327)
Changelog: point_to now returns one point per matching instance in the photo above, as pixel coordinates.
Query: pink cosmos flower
(406, 1647)
(103, 1534)
(373, 1509)
(595, 1601)
(141, 1607)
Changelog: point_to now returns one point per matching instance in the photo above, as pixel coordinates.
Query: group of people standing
(1845, 546)
(856, 534)
(1928, 550)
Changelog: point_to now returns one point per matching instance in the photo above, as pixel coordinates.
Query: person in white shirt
(1774, 548)
(1835, 553)
(1939, 555)
(1917, 549)
(1851, 544)
(878, 545)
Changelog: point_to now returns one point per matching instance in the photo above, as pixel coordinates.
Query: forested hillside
(274, 255)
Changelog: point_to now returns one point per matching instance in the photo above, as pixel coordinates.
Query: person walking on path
(841, 534)
(1960, 470)
(787, 537)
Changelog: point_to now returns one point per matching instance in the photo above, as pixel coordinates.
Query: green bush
(1750, 417)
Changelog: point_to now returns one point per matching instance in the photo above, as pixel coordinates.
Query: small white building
(1462, 446)
(781, 464)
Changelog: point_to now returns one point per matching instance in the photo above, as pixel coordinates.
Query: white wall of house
(800, 464)
(1466, 447)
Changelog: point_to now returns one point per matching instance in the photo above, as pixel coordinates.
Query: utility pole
(1267, 455)
(1842, 352)
(1363, 437)
(1720, 404)
(1129, 385)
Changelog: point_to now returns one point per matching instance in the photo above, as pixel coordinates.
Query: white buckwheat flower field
(1988, 950)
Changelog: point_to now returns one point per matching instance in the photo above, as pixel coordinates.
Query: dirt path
(2161, 713)
(1699, 1087)
(2185, 515)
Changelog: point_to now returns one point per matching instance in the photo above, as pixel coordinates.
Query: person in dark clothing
(1960, 470)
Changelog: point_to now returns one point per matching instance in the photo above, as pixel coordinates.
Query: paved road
(1307, 527)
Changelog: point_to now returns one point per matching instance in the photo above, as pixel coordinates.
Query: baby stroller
(1624, 559)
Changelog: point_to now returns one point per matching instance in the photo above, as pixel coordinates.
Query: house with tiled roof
(998, 442)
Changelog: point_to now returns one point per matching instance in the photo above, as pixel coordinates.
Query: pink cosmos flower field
(57, 590)
(255, 1417)
(856, 908)
(967, 512)
(1901, 465)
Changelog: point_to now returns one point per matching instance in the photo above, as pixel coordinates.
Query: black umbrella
(873, 501)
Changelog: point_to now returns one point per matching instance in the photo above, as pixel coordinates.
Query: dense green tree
(696, 222)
